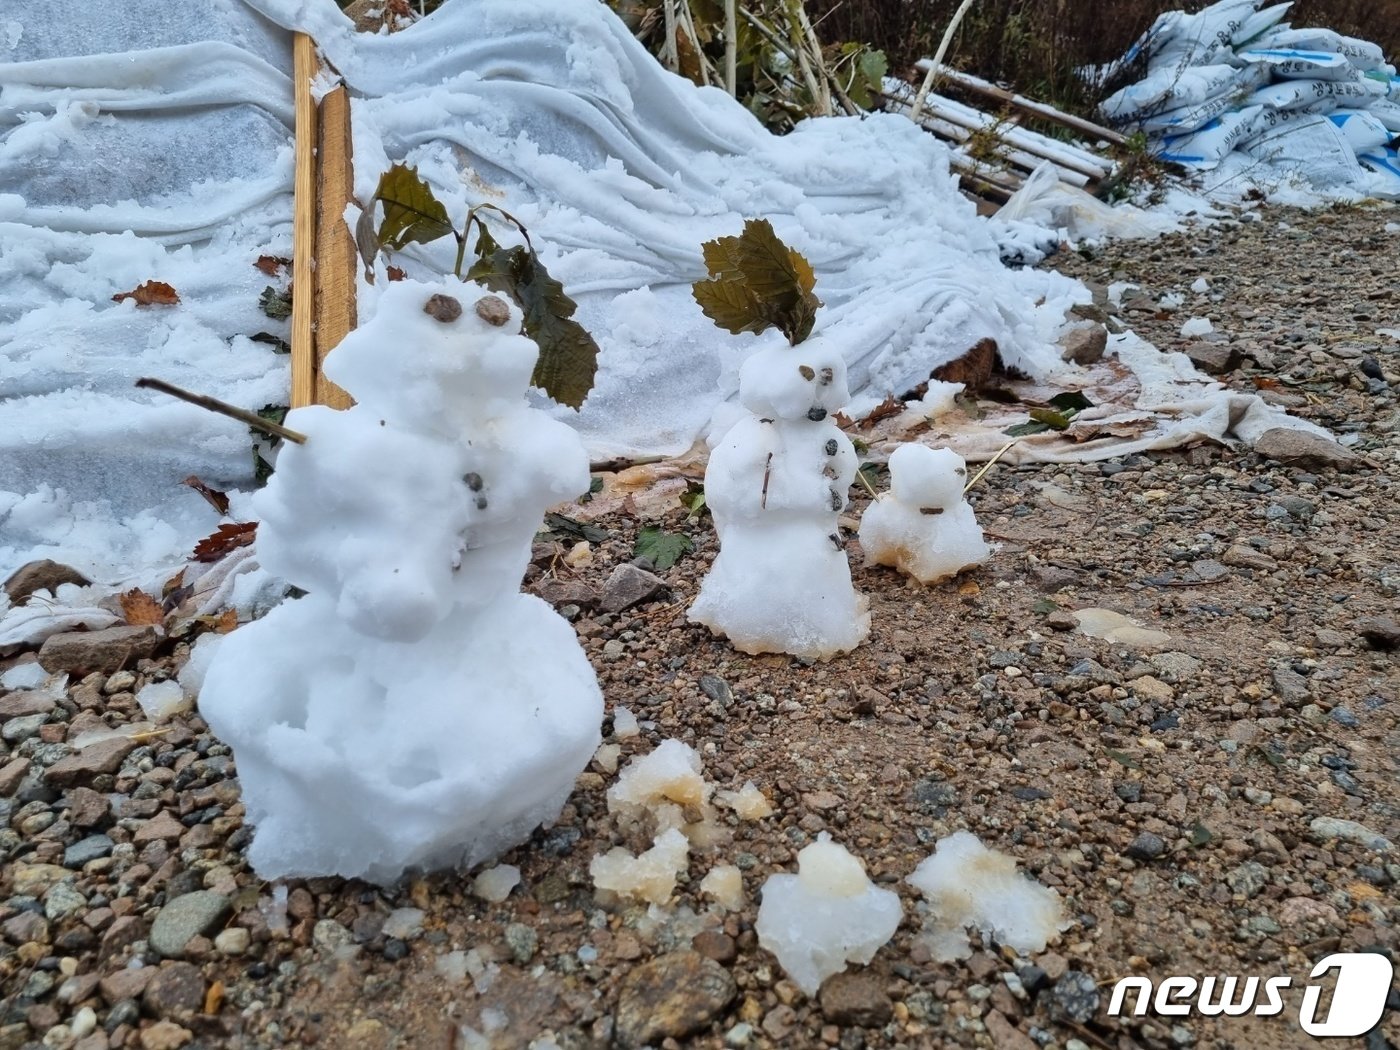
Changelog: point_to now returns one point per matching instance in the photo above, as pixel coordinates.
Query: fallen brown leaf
(140, 609)
(152, 293)
(270, 264)
(395, 274)
(216, 499)
(225, 539)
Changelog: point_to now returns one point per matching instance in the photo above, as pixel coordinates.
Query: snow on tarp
(1240, 91)
(146, 141)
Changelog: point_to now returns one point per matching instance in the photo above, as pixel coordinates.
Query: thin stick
(988, 465)
(731, 49)
(933, 68)
(866, 482)
(213, 404)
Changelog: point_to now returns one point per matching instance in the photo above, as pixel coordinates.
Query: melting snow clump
(825, 916)
(161, 700)
(724, 883)
(970, 886)
(775, 484)
(923, 526)
(651, 876)
(494, 884)
(748, 803)
(668, 786)
(1197, 326)
(414, 710)
(1116, 628)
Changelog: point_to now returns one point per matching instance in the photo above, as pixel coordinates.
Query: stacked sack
(1232, 77)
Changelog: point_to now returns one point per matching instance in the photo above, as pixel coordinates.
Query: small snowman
(413, 710)
(776, 482)
(923, 526)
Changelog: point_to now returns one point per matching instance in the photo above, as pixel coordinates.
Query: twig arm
(223, 408)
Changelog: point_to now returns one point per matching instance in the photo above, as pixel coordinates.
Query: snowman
(413, 710)
(923, 526)
(775, 483)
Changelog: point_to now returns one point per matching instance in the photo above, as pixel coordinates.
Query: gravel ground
(1223, 804)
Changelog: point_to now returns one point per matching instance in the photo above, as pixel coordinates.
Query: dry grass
(1035, 45)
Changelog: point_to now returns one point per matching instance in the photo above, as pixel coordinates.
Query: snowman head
(435, 353)
(928, 478)
(807, 381)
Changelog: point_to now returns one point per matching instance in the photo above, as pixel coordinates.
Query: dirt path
(1182, 799)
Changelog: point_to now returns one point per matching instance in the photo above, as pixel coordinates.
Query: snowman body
(923, 526)
(775, 484)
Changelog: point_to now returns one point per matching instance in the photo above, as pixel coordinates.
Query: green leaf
(568, 355)
(279, 346)
(1043, 607)
(276, 304)
(411, 212)
(1121, 758)
(1071, 402)
(563, 527)
(1200, 834)
(756, 282)
(1024, 429)
(694, 503)
(1052, 418)
(661, 547)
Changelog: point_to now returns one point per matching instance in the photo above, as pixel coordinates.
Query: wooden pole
(335, 246)
(304, 225)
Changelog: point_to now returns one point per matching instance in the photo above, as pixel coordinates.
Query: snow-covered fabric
(150, 141)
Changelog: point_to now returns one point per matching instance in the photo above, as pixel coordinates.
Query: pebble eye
(827, 376)
(806, 372)
(831, 446)
(816, 414)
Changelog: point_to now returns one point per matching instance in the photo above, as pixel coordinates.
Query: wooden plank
(335, 246)
(958, 134)
(303, 224)
(1062, 154)
(1039, 110)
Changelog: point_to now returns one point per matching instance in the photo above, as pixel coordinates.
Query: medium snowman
(413, 710)
(923, 526)
(776, 482)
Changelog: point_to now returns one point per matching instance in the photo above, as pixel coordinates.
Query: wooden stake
(304, 225)
(336, 259)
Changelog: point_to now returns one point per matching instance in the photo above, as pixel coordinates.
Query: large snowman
(413, 710)
(776, 482)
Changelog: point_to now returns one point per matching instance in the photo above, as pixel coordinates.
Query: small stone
(63, 900)
(1084, 344)
(84, 1022)
(403, 923)
(566, 592)
(1005, 1035)
(12, 775)
(522, 941)
(444, 308)
(121, 935)
(856, 999)
(121, 682)
(125, 985)
(232, 941)
(27, 927)
(82, 652)
(1324, 828)
(1146, 846)
(88, 849)
(1302, 448)
(87, 808)
(673, 996)
(1247, 879)
(329, 935)
(1213, 358)
(1291, 687)
(44, 575)
(165, 1035)
(26, 702)
(17, 730)
(821, 801)
(1153, 689)
(628, 586)
(176, 992)
(189, 916)
(716, 945)
(493, 310)
(104, 756)
(1061, 620)
(1380, 632)
(1076, 996)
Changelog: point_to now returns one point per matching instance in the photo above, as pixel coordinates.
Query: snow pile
(923, 526)
(413, 710)
(826, 915)
(664, 795)
(1237, 88)
(970, 886)
(775, 484)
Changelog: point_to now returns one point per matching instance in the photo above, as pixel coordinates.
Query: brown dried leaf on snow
(225, 539)
(152, 293)
(271, 264)
(216, 499)
(140, 609)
